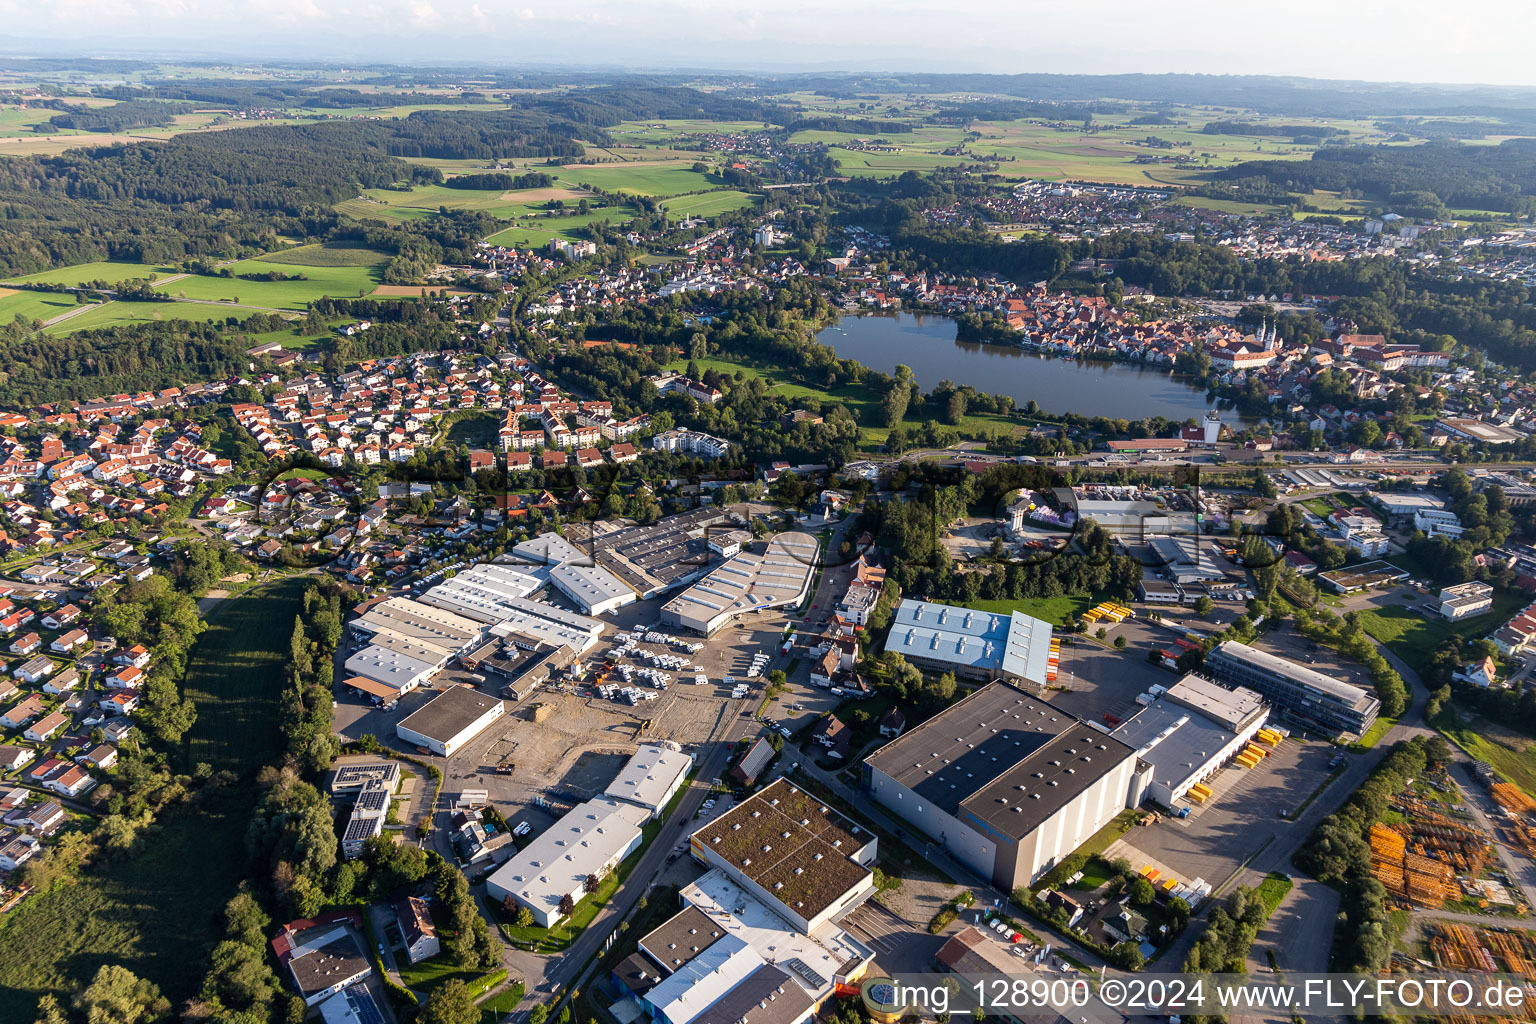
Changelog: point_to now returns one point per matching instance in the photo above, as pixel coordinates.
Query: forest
(1425, 181)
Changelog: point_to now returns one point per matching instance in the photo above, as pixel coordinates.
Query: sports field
(346, 282)
(116, 314)
(707, 204)
(32, 305)
(109, 272)
(236, 675)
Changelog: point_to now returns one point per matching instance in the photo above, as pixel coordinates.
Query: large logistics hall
(1189, 732)
(747, 582)
(1007, 783)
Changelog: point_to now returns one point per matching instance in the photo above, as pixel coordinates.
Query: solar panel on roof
(816, 981)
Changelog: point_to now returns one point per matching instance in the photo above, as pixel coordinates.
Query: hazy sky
(1387, 40)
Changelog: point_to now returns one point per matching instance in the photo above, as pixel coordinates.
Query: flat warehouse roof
(791, 844)
(548, 549)
(398, 670)
(449, 713)
(556, 861)
(589, 584)
(1232, 708)
(748, 581)
(649, 774)
(976, 753)
(430, 653)
(1175, 740)
(681, 938)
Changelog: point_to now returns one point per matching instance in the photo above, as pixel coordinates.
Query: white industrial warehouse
(451, 719)
(592, 838)
(747, 582)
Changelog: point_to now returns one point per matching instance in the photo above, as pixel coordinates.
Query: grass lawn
(236, 675)
(156, 912)
(1462, 728)
(109, 272)
(343, 282)
(478, 430)
(861, 401)
(33, 305)
(427, 975)
(1097, 873)
(533, 232)
(1374, 734)
(1272, 890)
(497, 1006)
(1414, 638)
(1052, 609)
(1118, 826)
(119, 313)
(708, 204)
(545, 940)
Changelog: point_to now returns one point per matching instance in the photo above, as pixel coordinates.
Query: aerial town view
(673, 514)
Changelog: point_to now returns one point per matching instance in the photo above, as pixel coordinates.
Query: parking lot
(1102, 680)
(1242, 818)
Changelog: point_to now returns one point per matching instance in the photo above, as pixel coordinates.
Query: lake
(928, 345)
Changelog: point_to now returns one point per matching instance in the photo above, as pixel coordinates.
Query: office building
(1296, 692)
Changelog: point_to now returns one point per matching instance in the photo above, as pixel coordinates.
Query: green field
(116, 314)
(109, 272)
(364, 209)
(33, 305)
(1466, 731)
(668, 179)
(427, 975)
(861, 401)
(478, 430)
(532, 232)
(327, 256)
(342, 282)
(236, 674)
(1414, 638)
(1052, 609)
(708, 204)
(155, 912)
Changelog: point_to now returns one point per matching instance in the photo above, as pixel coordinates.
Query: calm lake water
(928, 345)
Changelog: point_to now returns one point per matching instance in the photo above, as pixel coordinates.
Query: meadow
(863, 402)
(118, 313)
(155, 911)
(663, 179)
(32, 305)
(530, 232)
(236, 674)
(341, 282)
(1414, 638)
(109, 272)
(326, 255)
(707, 204)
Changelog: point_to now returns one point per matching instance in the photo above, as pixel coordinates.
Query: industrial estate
(485, 545)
